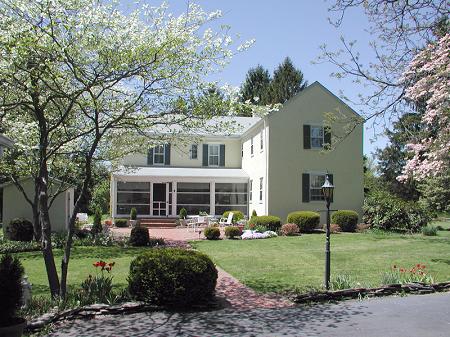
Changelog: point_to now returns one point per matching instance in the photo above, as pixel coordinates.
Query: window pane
(159, 149)
(214, 160)
(316, 132)
(193, 209)
(133, 186)
(231, 199)
(213, 150)
(193, 187)
(317, 180)
(184, 198)
(158, 159)
(126, 209)
(316, 142)
(230, 187)
(222, 209)
(316, 194)
(133, 198)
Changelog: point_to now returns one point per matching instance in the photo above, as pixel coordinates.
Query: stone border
(391, 289)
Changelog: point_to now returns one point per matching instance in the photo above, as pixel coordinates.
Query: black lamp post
(327, 190)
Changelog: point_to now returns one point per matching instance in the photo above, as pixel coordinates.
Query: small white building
(273, 165)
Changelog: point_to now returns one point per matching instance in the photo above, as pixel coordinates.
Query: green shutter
(150, 157)
(205, 154)
(306, 136)
(327, 137)
(222, 155)
(305, 187)
(166, 154)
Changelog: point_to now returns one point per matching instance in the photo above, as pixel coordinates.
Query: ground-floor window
(231, 196)
(133, 195)
(194, 197)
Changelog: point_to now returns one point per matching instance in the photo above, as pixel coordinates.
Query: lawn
(298, 262)
(80, 265)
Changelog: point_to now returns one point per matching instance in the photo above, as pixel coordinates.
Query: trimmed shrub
(11, 273)
(97, 227)
(429, 231)
(289, 229)
(172, 277)
(306, 221)
(212, 233)
(232, 231)
(133, 214)
(183, 213)
(254, 213)
(385, 211)
(139, 236)
(346, 219)
(237, 215)
(121, 222)
(20, 230)
(270, 222)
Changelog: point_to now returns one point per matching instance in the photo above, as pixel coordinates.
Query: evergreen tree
(256, 84)
(286, 83)
(393, 157)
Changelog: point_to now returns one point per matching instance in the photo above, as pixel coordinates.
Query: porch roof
(179, 173)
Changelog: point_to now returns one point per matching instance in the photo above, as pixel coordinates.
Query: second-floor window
(158, 155)
(317, 134)
(261, 141)
(251, 146)
(194, 151)
(213, 154)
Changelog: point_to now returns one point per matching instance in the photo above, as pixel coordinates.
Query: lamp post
(327, 190)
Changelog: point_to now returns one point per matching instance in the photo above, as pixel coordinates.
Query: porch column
(174, 198)
(212, 198)
(113, 197)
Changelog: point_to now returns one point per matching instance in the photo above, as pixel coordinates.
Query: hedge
(237, 215)
(212, 233)
(306, 221)
(346, 219)
(270, 222)
(20, 229)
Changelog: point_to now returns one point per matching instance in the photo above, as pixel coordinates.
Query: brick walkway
(240, 297)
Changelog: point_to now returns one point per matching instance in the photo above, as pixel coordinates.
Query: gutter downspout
(266, 183)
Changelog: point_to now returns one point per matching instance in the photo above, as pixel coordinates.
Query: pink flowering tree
(427, 82)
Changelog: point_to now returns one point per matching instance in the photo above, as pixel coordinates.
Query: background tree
(287, 82)
(394, 156)
(435, 194)
(401, 29)
(256, 85)
(81, 82)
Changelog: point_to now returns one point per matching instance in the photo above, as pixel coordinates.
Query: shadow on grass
(89, 252)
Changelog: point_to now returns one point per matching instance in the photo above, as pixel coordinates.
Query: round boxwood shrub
(346, 219)
(11, 273)
(183, 213)
(121, 222)
(289, 229)
(139, 236)
(20, 230)
(232, 231)
(270, 222)
(237, 215)
(212, 233)
(306, 221)
(172, 277)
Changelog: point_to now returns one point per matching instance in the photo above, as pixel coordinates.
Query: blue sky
(294, 28)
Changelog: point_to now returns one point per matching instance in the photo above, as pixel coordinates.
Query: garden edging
(391, 289)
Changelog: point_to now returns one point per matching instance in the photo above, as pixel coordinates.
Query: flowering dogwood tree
(80, 81)
(427, 79)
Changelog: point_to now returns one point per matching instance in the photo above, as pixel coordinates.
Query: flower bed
(250, 235)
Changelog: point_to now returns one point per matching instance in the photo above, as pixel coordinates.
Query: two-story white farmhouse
(274, 165)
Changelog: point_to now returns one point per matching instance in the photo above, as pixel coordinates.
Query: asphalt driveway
(410, 316)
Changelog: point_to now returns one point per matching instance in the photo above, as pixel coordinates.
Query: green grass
(286, 263)
(80, 265)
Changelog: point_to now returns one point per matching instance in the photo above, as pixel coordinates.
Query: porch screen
(133, 194)
(231, 196)
(194, 197)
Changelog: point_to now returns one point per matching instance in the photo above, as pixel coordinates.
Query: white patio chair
(201, 221)
(226, 221)
(82, 217)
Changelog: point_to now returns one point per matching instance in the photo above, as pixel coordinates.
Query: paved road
(411, 316)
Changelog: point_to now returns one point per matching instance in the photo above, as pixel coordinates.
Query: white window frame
(261, 140)
(163, 154)
(192, 151)
(251, 146)
(311, 136)
(316, 174)
(250, 191)
(261, 189)
(210, 146)
(242, 150)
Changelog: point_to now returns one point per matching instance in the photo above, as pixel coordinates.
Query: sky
(294, 28)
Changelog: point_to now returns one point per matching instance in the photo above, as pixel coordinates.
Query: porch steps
(159, 222)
